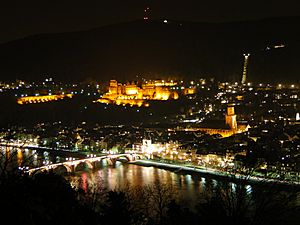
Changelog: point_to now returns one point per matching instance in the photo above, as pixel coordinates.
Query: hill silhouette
(157, 49)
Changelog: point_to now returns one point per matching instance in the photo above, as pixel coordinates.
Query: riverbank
(214, 173)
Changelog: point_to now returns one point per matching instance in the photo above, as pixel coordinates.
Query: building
(224, 128)
(230, 117)
(132, 94)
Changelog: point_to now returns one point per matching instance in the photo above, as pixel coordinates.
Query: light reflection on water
(23, 156)
(121, 175)
(20, 157)
(189, 187)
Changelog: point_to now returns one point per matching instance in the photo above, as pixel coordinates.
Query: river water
(188, 188)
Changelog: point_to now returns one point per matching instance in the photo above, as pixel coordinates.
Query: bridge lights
(24, 169)
(70, 159)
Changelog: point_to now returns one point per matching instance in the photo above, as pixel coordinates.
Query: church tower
(230, 117)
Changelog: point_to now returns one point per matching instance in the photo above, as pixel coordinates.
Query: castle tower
(113, 87)
(245, 68)
(230, 117)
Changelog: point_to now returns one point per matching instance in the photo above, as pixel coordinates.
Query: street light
(70, 159)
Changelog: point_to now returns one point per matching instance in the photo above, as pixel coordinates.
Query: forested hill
(159, 49)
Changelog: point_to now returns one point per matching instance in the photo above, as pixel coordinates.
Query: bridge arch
(39, 171)
(126, 157)
(85, 163)
(139, 157)
(64, 166)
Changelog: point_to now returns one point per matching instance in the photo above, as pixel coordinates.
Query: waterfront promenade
(213, 172)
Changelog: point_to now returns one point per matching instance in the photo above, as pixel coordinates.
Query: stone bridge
(72, 165)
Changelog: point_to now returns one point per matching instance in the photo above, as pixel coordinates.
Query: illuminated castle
(130, 93)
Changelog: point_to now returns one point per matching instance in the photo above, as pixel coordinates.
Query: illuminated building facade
(226, 129)
(132, 94)
(230, 117)
(231, 127)
(189, 91)
(41, 99)
(169, 150)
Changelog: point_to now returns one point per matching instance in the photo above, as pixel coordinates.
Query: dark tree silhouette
(116, 210)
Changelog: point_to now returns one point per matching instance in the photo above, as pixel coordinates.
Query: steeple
(230, 117)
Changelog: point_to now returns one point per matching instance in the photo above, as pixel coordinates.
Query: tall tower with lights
(245, 68)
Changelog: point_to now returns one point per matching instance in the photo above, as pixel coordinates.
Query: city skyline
(150, 112)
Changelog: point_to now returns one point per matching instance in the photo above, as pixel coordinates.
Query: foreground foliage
(48, 198)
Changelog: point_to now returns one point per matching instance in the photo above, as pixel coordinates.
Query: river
(188, 188)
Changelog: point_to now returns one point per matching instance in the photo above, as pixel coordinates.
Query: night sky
(23, 18)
